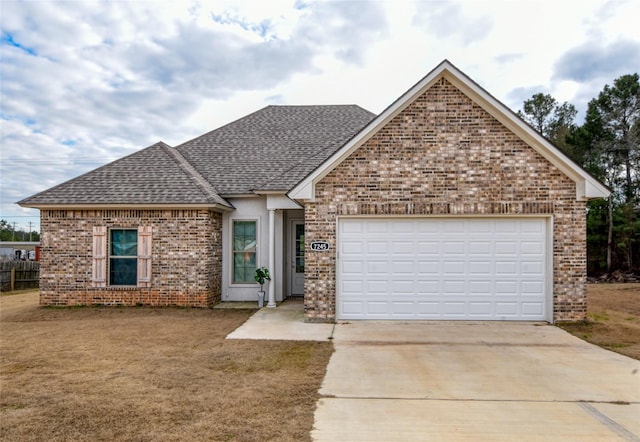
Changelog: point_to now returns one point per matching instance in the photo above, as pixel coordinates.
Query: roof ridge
(204, 185)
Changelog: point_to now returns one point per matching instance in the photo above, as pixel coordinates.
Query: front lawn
(613, 318)
(87, 374)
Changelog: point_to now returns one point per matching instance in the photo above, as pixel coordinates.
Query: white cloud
(87, 82)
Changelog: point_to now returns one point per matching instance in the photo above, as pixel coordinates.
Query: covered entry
(443, 268)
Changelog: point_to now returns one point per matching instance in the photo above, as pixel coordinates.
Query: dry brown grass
(613, 318)
(149, 374)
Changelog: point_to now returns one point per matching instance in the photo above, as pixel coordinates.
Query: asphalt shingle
(154, 175)
(271, 149)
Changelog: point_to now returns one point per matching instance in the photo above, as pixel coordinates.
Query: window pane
(123, 271)
(299, 248)
(124, 242)
(244, 251)
(123, 260)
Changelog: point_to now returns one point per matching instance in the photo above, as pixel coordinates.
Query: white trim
(291, 254)
(272, 258)
(231, 256)
(281, 201)
(549, 270)
(586, 186)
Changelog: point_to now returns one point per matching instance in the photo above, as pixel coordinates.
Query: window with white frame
(244, 252)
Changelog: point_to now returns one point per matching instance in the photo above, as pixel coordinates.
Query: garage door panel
(480, 288)
(399, 267)
(453, 226)
(481, 226)
(352, 287)
(452, 308)
(506, 248)
(532, 268)
(376, 227)
(378, 248)
(480, 309)
(454, 248)
(483, 267)
(474, 269)
(532, 288)
(531, 226)
(453, 267)
(429, 248)
(353, 308)
(481, 248)
(399, 287)
(454, 287)
(428, 268)
(377, 287)
(352, 267)
(505, 226)
(352, 247)
(429, 309)
(505, 287)
(506, 268)
(377, 267)
(531, 247)
(402, 248)
(428, 287)
(356, 226)
(532, 309)
(401, 227)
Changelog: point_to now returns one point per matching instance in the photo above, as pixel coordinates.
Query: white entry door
(442, 268)
(296, 254)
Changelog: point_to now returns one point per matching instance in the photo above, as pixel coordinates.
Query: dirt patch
(96, 373)
(613, 318)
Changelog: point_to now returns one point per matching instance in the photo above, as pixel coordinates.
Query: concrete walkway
(285, 322)
(416, 381)
(390, 381)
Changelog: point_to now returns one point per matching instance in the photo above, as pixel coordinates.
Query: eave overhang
(211, 207)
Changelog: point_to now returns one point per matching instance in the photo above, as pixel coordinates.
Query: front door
(297, 257)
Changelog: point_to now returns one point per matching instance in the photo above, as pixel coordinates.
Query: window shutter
(144, 256)
(99, 268)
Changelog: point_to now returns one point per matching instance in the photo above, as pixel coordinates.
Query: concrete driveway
(391, 381)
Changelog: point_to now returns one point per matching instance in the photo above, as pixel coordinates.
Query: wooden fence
(19, 275)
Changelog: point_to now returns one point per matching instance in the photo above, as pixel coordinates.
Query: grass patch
(151, 374)
(613, 312)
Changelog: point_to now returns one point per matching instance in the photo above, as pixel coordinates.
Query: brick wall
(444, 155)
(186, 257)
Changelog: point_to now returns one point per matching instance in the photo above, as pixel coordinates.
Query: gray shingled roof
(271, 149)
(155, 175)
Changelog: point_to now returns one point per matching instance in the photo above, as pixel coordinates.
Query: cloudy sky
(83, 83)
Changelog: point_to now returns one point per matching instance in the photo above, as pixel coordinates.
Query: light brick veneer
(186, 257)
(444, 155)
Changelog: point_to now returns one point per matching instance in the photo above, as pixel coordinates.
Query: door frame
(290, 253)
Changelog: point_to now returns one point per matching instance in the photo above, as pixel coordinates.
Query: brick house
(444, 206)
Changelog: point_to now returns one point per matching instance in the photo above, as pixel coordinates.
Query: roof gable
(586, 186)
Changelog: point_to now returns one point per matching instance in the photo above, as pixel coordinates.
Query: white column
(272, 258)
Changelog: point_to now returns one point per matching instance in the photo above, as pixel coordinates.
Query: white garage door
(442, 268)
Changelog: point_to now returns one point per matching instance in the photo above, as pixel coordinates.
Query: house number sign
(319, 246)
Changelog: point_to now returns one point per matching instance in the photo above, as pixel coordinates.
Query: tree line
(9, 232)
(607, 145)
